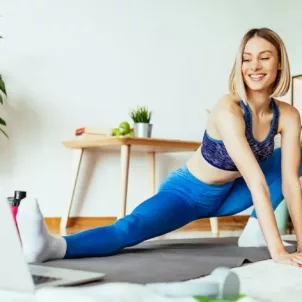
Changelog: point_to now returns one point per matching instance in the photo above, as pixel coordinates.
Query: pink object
(14, 204)
(14, 210)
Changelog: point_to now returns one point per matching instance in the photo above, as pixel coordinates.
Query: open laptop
(19, 276)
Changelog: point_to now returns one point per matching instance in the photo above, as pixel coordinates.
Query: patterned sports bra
(215, 153)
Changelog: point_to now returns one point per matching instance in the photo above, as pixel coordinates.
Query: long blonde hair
(282, 83)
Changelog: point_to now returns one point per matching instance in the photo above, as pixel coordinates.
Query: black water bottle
(18, 196)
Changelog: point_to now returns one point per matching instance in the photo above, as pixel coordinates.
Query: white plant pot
(142, 130)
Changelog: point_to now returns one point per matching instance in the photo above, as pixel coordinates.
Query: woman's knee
(273, 164)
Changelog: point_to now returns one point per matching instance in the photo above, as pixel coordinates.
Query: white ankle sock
(38, 244)
(252, 235)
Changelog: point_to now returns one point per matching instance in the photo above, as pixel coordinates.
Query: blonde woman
(235, 167)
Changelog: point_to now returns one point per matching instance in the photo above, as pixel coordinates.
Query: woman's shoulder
(226, 113)
(228, 104)
(285, 106)
(287, 111)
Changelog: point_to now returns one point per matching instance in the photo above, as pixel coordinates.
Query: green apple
(124, 128)
(130, 133)
(116, 132)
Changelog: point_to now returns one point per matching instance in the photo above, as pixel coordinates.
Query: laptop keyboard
(43, 279)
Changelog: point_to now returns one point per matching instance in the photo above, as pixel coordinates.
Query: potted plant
(141, 117)
(3, 90)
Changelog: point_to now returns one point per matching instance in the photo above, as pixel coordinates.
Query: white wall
(74, 63)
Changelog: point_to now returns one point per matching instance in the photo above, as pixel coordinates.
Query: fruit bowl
(123, 129)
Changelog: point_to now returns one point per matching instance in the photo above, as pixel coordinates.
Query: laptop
(19, 276)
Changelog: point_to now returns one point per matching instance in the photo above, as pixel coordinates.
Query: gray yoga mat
(169, 260)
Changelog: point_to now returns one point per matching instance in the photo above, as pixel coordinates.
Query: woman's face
(260, 64)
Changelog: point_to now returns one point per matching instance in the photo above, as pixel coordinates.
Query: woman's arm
(231, 126)
(291, 159)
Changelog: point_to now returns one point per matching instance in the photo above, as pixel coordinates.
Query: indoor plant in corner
(141, 118)
(2, 91)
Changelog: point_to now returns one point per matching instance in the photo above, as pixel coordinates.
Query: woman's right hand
(293, 259)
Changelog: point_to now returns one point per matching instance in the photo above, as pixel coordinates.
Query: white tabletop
(16, 297)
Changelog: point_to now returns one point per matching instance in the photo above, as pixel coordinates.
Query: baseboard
(228, 223)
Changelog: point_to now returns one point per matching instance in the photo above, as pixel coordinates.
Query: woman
(235, 167)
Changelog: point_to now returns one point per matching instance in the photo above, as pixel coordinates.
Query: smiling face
(260, 64)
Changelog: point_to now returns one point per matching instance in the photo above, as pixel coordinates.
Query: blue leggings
(182, 198)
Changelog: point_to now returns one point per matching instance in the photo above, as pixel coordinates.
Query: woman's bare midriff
(207, 173)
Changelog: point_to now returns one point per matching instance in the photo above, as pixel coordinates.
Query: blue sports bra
(215, 153)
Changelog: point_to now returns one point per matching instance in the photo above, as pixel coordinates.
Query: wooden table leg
(76, 163)
(125, 159)
(151, 159)
(214, 226)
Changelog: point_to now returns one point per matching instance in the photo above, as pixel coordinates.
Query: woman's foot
(252, 235)
(38, 244)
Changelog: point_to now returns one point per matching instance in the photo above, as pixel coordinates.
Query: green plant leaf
(1, 99)
(2, 86)
(2, 122)
(141, 115)
(202, 299)
(1, 130)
